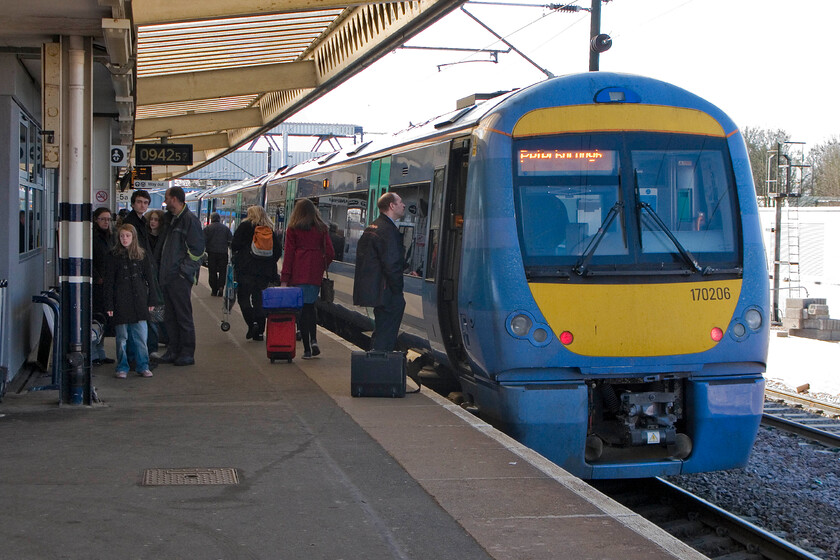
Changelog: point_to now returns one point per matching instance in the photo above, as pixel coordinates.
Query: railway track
(705, 527)
(800, 421)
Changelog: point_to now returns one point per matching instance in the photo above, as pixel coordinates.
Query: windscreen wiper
(582, 263)
(686, 255)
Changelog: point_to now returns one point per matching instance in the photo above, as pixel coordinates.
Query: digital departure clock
(163, 154)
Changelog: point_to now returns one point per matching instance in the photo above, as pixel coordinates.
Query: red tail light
(716, 334)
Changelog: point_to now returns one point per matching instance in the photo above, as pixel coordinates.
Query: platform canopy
(218, 73)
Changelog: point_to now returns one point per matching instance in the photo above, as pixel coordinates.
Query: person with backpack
(307, 254)
(256, 250)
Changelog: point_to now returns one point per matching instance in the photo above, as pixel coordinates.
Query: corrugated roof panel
(228, 43)
(199, 106)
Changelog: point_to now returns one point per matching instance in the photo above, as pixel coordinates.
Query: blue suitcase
(377, 374)
(282, 299)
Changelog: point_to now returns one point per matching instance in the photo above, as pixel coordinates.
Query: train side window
(414, 225)
(435, 223)
(345, 215)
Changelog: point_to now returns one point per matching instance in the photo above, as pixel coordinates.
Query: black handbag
(157, 314)
(327, 293)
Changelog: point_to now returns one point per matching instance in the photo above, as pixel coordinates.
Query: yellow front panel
(622, 117)
(638, 320)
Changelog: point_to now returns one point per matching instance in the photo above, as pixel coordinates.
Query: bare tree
(825, 165)
(760, 143)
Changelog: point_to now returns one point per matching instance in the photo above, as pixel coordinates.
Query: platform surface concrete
(321, 475)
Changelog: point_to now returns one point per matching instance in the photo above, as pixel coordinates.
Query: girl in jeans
(129, 298)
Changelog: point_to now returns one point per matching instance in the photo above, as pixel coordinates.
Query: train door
(380, 172)
(291, 194)
(448, 249)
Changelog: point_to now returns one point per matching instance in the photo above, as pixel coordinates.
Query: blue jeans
(138, 333)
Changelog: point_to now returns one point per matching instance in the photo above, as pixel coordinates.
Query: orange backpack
(262, 244)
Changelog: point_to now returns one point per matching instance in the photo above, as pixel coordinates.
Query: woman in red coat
(307, 253)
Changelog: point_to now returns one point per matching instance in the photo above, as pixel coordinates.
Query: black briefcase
(377, 374)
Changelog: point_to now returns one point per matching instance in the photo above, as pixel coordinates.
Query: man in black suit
(378, 282)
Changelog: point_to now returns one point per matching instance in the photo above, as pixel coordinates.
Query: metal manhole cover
(189, 477)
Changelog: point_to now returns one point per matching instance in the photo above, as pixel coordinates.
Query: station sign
(163, 154)
(119, 156)
(148, 185)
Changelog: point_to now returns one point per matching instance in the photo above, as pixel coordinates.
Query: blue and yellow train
(583, 257)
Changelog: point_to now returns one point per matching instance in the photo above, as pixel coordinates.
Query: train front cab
(650, 283)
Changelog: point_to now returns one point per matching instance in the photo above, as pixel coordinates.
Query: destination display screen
(535, 163)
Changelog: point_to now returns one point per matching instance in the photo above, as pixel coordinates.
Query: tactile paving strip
(189, 476)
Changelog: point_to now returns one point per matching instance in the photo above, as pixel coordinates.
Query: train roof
(461, 118)
(572, 89)
(233, 188)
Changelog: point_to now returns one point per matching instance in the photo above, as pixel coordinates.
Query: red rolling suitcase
(280, 341)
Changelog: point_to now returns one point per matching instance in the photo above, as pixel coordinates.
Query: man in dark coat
(180, 261)
(378, 282)
(217, 238)
(140, 200)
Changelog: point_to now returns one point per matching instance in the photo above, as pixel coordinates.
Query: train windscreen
(630, 201)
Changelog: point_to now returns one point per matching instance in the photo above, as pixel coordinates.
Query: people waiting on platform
(155, 233)
(217, 237)
(378, 281)
(102, 244)
(129, 299)
(254, 269)
(180, 260)
(308, 252)
(140, 200)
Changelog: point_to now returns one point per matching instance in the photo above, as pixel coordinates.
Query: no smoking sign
(101, 196)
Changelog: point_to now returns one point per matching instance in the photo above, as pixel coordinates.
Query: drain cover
(189, 477)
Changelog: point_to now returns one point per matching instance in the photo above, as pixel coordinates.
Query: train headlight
(753, 319)
(520, 325)
(524, 326)
(739, 330)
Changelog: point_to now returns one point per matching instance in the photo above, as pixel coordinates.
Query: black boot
(250, 333)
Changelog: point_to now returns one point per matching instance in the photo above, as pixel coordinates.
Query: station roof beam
(237, 68)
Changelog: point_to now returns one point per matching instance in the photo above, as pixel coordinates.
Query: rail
(698, 523)
(805, 401)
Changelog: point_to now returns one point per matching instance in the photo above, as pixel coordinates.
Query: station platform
(795, 362)
(312, 473)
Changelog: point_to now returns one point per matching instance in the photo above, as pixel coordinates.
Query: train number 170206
(710, 294)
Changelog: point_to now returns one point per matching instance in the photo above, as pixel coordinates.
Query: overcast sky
(766, 63)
